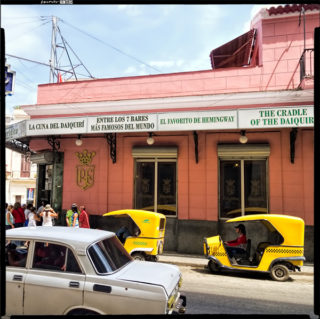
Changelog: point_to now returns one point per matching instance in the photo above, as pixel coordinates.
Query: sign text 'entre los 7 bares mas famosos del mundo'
(280, 117)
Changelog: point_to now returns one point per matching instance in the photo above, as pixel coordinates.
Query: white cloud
(162, 64)
(131, 10)
(130, 70)
(179, 62)
(143, 70)
(202, 62)
(255, 9)
(20, 23)
(211, 15)
(23, 95)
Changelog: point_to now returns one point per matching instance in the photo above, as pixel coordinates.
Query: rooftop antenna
(53, 55)
(65, 57)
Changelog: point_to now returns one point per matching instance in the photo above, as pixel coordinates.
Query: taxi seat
(246, 255)
(259, 251)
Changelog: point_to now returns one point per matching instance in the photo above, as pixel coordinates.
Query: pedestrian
(123, 233)
(33, 217)
(26, 213)
(83, 218)
(47, 215)
(70, 212)
(18, 214)
(75, 220)
(9, 217)
(39, 210)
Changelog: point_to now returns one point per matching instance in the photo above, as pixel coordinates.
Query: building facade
(200, 147)
(21, 174)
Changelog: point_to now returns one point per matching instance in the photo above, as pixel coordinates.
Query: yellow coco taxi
(275, 245)
(141, 232)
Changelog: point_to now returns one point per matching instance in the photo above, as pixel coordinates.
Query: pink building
(171, 142)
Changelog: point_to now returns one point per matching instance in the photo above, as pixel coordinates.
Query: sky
(113, 41)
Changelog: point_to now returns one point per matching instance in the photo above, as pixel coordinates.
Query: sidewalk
(202, 261)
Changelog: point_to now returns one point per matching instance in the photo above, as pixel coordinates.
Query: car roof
(148, 222)
(291, 228)
(79, 238)
(135, 213)
(270, 217)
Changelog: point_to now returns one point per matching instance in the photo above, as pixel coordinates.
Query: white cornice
(216, 101)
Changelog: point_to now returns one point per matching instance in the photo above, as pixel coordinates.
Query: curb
(202, 261)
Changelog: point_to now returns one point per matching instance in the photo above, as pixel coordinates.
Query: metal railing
(307, 64)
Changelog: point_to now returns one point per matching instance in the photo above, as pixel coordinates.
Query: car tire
(77, 312)
(152, 258)
(138, 256)
(279, 272)
(213, 267)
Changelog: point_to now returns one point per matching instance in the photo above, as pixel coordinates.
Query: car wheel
(152, 258)
(138, 256)
(213, 267)
(279, 272)
(77, 312)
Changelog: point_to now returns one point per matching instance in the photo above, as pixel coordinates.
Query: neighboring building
(170, 142)
(21, 174)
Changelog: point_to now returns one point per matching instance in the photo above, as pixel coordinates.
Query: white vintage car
(69, 271)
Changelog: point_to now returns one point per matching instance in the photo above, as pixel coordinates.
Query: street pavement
(202, 261)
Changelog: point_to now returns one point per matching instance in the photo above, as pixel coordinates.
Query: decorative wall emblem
(255, 188)
(145, 185)
(230, 187)
(85, 172)
(166, 186)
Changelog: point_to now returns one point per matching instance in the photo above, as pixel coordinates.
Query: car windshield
(108, 255)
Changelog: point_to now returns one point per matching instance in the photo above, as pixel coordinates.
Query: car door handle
(74, 284)
(17, 277)
(102, 288)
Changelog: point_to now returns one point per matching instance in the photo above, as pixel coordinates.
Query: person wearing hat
(238, 245)
(70, 212)
(47, 215)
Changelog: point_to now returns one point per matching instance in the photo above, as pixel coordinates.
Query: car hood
(154, 273)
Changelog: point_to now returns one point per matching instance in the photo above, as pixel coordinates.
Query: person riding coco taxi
(238, 245)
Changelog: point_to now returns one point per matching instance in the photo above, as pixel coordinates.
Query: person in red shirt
(83, 218)
(18, 214)
(238, 245)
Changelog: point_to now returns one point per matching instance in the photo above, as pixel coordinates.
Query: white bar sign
(301, 116)
(16, 130)
(57, 126)
(122, 123)
(185, 121)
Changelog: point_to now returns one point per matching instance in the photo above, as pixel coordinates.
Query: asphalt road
(230, 293)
